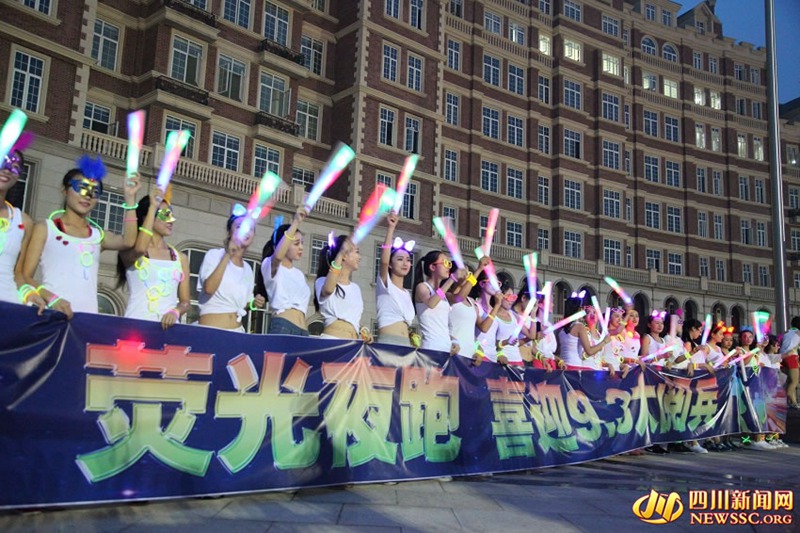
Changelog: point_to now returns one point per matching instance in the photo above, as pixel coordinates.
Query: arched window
(669, 53)
(737, 314)
(671, 305)
(642, 305)
(614, 300)
(689, 310)
(649, 46)
(562, 292)
(718, 312)
(589, 292)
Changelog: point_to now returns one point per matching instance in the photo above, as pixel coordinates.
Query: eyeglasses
(165, 214)
(86, 187)
(12, 164)
(446, 262)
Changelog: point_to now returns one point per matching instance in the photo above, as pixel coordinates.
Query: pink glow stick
(662, 351)
(11, 131)
(491, 274)
(135, 140)
(547, 290)
(378, 204)
(176, 142)
(564, 321)
(525, 314)
(494, 214)
(706, 329)
(620, 292)
(403, 179)
(531, 264)
(342, 155)
(258, 206)
(445, 229)
(599, 311)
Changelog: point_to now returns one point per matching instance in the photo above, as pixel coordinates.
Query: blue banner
(108, 409)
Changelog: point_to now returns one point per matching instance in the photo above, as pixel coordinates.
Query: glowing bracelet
(472, 280)
(289, 237)
(53, 301)
(252, 304)
(335, 266)
(128, 207)
(491, 316)
(440, 293)
(146, 231)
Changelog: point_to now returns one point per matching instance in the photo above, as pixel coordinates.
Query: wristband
(175, 312)
(491, 316)
(440, 293)
(129, 207)
(146, 231)
(471, 279)
(53, 301)
(252, 305)
(454, 278)
(290, 237)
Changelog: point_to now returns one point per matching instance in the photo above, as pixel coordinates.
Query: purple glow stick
(445, 229)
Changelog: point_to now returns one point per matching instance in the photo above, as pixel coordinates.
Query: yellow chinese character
(784, 499)
(762, 500)
(740, 500)
(698, 500)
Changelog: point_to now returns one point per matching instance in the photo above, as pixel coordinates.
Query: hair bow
(658, 314)
(724, 329)
(580, 295)
(238, 210)
(398, 244)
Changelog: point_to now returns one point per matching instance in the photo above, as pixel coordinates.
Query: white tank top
(570, 348)
(433, 324)
(287, 290)
(506, 330)
(394, 304)
(613, 352)
(548, 346)
(11, 239)
(654, 347)
(461, 324)
(337, 307)
(70, 266)
(153, 286)
(487, 340)
(235, 290)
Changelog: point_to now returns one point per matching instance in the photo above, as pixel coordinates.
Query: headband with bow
(398, 244)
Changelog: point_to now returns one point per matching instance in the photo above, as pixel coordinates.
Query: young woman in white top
(68, 243)
(393, 301)
(507, 320)
(576, 344)
(336, 296)
(654, 342)
(433, 281)
(226, 280)
(157, 274)
(486, 332)
(465, 314)
(283, 283)
(16, 228)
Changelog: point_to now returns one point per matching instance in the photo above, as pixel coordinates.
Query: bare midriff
(399, 329)
(220, 320)
(295, 316)
(341, 329)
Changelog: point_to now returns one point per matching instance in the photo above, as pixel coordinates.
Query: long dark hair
(268, 251)
(422, 268)
(689, 325)
(572, 305)
(141, 213)
(326, 256)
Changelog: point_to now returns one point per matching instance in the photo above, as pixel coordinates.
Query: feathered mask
(94, 169)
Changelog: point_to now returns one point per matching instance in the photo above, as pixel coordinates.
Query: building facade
(616, 137)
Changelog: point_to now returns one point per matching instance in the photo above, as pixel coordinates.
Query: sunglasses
(86, 187)
(12, 164)
(446, 262)
(165, 214)
(510, 297)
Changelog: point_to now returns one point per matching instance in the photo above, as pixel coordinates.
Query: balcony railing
(184, 90)
(458, 23)
(268, 45)
(113, 147)
(193, 11)
(658, 62)
(281, 124)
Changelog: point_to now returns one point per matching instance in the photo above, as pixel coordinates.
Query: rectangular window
(491, 70)
(492, 22)
(611, 203)
(719, 232)
(177, 124)
(759, 190)
(516, 33)
(514, 183)
(758, 149)
(649, 12)
(700, 135)
(451, 109)
(674, 264)
(674, 219)
(544, 90)
(628, 257)
(741, 144)
(628, 210)
(237, 11)
(96, 118)
(392, 9)
(794, 241)
(452, 214)
(713, 65)
(701, 180)
(650, 123)
(572, 10)
(610, 26)
(672, 129)
(670, 88)
(313, 51)
(105, 43)
(544, 6)
(612, 252)
(697, 60)
(610, 107)
(652, 215)
(572, 194)
(453, 55)
(489, 176)
(514, 234)
(545, 46)
(109, 213)
(42, 6)
(516, 79)
(744, 188)
(409, 207)
(414, 74)
(573, 50)
(716, 140)
(715, 99)
(544, 139)
(651, 169)
(491, 122)
(611, 64)
(389, 62)
(273, 95)
(747, 273)
(755, 76)
(572, 94)
(416, 11)
(757, 110)
(307, 117)
(741, 104)
(543, 239)
(412, 141)
(316, 249)
(744, 232)
(450, 165)
(673, 169)
(738, 71)
(515, 131)
(702, 224)
(699, 96)
(611, 155)
(543, 191)
(703, 266)
(653, 260)
(649, 81)
(666, 17)
(627, 116)
(627, 163)
(794, 198)
(276, 23)
(700, 27)
(266, 158)
(231, 78)
(572, 244)
(225, 151)
(720, 270)
(572, 143)
(386, 127)
(187, 57)
(761, 234)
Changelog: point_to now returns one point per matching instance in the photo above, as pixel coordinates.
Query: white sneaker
(780, 443)
(761, 445)
(696, 448)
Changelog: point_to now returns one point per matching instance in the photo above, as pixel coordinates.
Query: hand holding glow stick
(378, 204)
(547, 290)
(494, 214)
(257, 207)
(402, 181)
(176, 142)
(620, 292)
(342, 155)
(706, 329)
(11, 131)
(135, 140)
(564, 321)
(491, 273)
(445, 229)
(523, 317)
(599, 312)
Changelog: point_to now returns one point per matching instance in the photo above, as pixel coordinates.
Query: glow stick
(445, 229)
(176, 142)
(494, 214)
(491, 274)
(607, 317)
(522, 318)
(706, 329)
(661, 351)
(135, 139)
(564, 321)
(11, 131)
(342, 155)
(531, 264)
(760, 319)
(673, 326)
(620, 292)
(378, 204)
(547, 290)
(599, 312)
(742, 357)
(257, 206)
(403, 179)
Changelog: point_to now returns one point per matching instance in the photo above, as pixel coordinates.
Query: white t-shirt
(9, 255)
(287, 290)
(347, 307)
(394, 304)
(235, 290)
(461, 324)
(433, 324)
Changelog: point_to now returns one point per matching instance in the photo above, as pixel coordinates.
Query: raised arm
(280, 250)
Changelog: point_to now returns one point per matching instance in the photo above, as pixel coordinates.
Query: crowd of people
(467, 313)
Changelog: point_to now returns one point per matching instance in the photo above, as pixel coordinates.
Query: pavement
(590, 497)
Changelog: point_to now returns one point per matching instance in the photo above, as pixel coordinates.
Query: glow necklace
(86, 249)
(165, 275)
